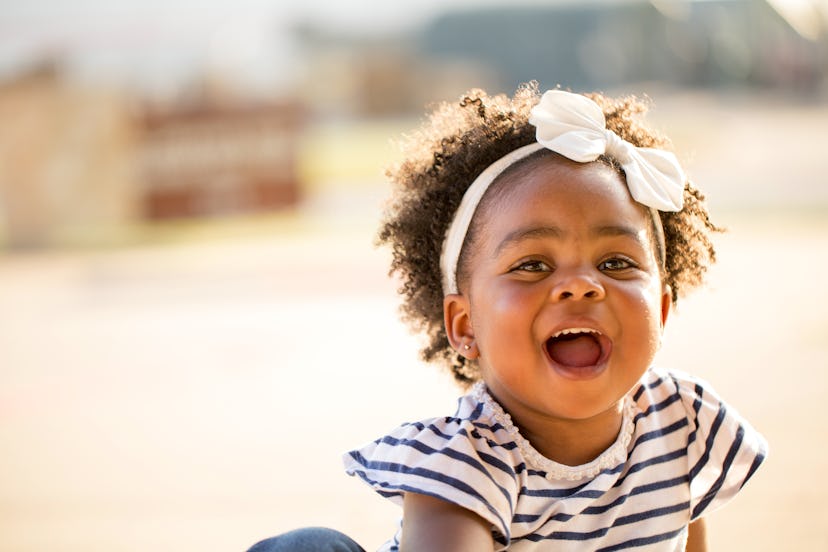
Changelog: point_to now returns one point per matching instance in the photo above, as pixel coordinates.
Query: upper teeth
(576, 330)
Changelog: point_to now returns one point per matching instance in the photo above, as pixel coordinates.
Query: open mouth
(578, 348)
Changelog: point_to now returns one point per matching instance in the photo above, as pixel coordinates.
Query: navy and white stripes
(688, 455)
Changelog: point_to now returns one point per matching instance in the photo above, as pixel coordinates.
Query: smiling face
(563, 304)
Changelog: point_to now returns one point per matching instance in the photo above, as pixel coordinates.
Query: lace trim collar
(614, 455)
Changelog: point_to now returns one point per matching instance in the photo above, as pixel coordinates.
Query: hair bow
(574, 126)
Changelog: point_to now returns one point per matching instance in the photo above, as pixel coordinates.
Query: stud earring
(466, 347)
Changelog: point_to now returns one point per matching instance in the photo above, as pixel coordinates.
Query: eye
(616, 264)
(532, 266)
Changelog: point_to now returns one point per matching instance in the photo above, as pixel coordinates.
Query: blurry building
(218, 158)
(354, 75)
(597, 45)
(578, 45)
(80, 163)
(65, 165)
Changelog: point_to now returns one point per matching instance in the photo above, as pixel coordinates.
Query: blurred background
(195, 324)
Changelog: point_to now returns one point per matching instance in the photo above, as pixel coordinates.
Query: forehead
(551, 190)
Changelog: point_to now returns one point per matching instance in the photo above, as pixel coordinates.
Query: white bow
(574, 126)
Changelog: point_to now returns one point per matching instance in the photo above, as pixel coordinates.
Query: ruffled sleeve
(723, 450)
(452, 459)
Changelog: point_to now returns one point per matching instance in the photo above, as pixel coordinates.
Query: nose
(576, 285)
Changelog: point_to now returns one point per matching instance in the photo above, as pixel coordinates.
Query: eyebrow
(612, 230)
(536, 232)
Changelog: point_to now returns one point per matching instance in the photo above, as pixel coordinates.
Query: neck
(570, 442)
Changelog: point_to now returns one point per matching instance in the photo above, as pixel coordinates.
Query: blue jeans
(311, 539)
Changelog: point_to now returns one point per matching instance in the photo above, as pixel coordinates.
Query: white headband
(573, 126)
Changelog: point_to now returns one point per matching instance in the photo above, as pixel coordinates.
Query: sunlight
(807, 17)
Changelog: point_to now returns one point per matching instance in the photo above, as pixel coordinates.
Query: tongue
(575, 350)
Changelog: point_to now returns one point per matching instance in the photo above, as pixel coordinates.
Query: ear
(457, 319)
(666, 304)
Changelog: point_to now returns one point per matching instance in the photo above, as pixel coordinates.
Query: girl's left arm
(697, 536)
(434, 525)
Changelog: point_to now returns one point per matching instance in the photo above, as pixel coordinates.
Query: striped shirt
(681, 453)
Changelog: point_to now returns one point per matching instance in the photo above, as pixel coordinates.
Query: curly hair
(442, 158)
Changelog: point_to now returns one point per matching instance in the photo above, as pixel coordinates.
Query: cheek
(518, 300)
(510, 298)
(507, 309)
(647, 300)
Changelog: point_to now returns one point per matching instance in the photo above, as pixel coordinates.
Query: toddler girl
(541, 243)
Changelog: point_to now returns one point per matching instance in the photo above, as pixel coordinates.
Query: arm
(434, 525)
(697, 536)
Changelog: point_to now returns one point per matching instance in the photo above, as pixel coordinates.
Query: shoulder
(471, 436)
(723, 449)
(461, 459)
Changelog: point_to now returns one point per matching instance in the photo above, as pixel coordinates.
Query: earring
(466, 347)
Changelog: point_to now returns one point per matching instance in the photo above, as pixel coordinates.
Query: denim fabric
(310, 539)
